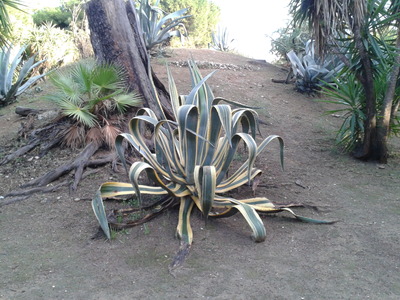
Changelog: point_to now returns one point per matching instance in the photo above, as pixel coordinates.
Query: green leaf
(99, 211)
(306, 219)
(184, 230)
(254, 220)
(205, 183)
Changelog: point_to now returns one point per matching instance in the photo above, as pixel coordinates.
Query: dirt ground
(47, 250)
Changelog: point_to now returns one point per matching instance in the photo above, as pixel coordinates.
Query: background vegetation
(205, 16)
(364, 40)
(60, 16)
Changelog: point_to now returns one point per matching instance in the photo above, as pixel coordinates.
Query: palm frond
(110, 133)
(124, 101)
(108, 77)
(78, 113)
(95, 135)
(326, 16)
(74, 136)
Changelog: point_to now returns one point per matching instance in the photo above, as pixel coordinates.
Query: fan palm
(93, 95)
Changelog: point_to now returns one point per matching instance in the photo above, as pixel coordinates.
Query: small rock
(77, 199)
(30, 159)
(380, 166)
(47, 115)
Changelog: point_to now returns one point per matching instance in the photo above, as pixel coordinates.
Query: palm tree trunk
(368, 147)
(116, 38)
(383, 127)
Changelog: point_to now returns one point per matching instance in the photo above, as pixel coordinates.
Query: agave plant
(158, 27)
(94, 96)
(14, 74)
(310, 72)
(221, 40)
(190, 163)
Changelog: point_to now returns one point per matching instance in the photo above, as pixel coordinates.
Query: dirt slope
(46, 250)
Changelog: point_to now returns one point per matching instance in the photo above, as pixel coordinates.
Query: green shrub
(60, 16)
(205, 16)
(53, 44)
(347, 92)
(22, 22)
(289, 38)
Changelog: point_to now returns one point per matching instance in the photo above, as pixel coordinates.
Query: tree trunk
(116, 38)
(383, 127)
(368, 147)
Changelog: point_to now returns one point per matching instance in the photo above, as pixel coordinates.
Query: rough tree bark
(368, 147)
(116, 38)
(383, 127)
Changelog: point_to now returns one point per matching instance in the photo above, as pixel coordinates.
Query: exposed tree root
(78, 164)
(289, 78)
(45, 189)
(286, 81)
(25, 111)
(20, 195)
(47, 137)
(21, 151)
(121, 218)
(13, 200)
(44, 139)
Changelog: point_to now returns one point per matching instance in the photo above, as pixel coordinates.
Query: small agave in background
(221, 40)
(157, 26)
(311, 73)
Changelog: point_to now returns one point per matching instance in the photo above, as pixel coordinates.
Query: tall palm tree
(326, 17)
(5, 26)
(357, 19)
